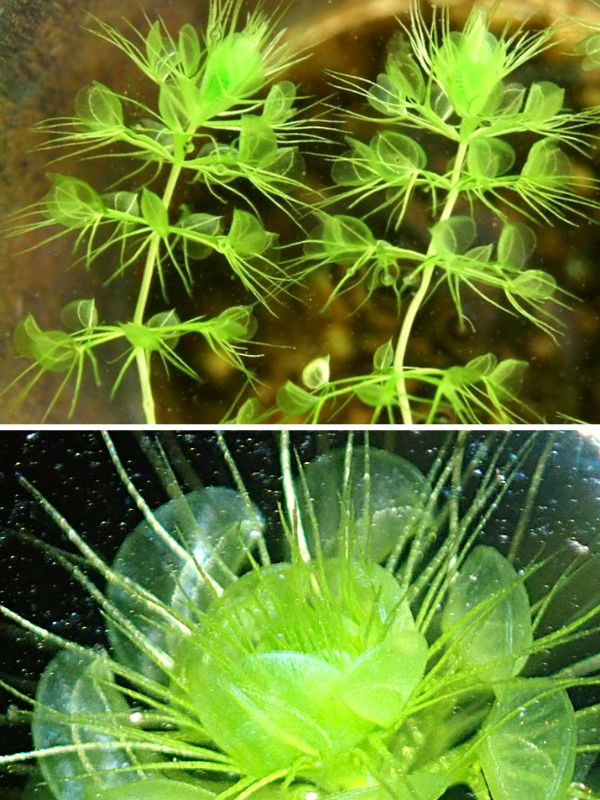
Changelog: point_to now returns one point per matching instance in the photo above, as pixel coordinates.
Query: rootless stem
(141, 356)
(421, 293)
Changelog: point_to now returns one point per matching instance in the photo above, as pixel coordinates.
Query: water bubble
(578, 547)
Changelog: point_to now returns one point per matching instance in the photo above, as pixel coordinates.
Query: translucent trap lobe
(328, 616)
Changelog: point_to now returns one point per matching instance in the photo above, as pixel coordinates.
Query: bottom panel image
(357, 615)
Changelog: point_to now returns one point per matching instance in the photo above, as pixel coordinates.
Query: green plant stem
(143, 367)
(421, 293)
(141, 357)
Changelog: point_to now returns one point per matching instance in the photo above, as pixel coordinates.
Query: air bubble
(578, 547)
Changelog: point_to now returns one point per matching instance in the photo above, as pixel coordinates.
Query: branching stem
(421, 293)
(141, 357)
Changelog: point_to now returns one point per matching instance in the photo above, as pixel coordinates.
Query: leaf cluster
(370, 639)
(445, 89)
(218, 124)
(69, 350)
(471, 394)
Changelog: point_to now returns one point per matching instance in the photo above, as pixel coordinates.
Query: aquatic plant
(365, 641)
(217, 124)
(445, 89)
(208, 89)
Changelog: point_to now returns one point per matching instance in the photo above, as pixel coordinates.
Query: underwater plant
(449, 120)
(454, 128)
(214, 124)
(354, 633)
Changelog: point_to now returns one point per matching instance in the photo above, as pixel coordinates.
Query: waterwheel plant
(365, 642)
(450, 123)
(448, 92)
(214, 123)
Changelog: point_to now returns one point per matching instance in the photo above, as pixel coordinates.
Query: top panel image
(383, 211)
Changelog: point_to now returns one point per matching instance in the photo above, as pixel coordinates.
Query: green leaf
(529, 753)
(234, 69)
(98, 108)
(511, 100)
(481, 252)
(491, 599)
(257, 143)
(292, 682)
(516, 244)
(154, 44)
(288, 703)
(79, 314)
(339, 238)
(287, 162)
(544, 101)
(83, 686)
(214, 524)
(204, 225)
(249, 413)
(396, 156)
(481, 366)
(257, 667)
(350, 170)
(454, 235)
(507, 377)
(315, 375)
(377, 395)
(440, 103)
(54, 350)
(385, 494)
(547, 165)
(235, 323)
(386, 97)
(374, 688)
(156, 132)
(460, 377)
(483, 387)
(403, 71)
(279, 103)
(384, 355)
(188, 49)
(470, 65)
(293, 400)
(590, 48)
(160, 53)
(173, 107)
(403, 80)
(163, 319)
(73, 203)
(155, 213)
(125, 202)
(588, 727)
(247, 235)
(141, 336)
(489, 157)
(152, 789)
(534, 285)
